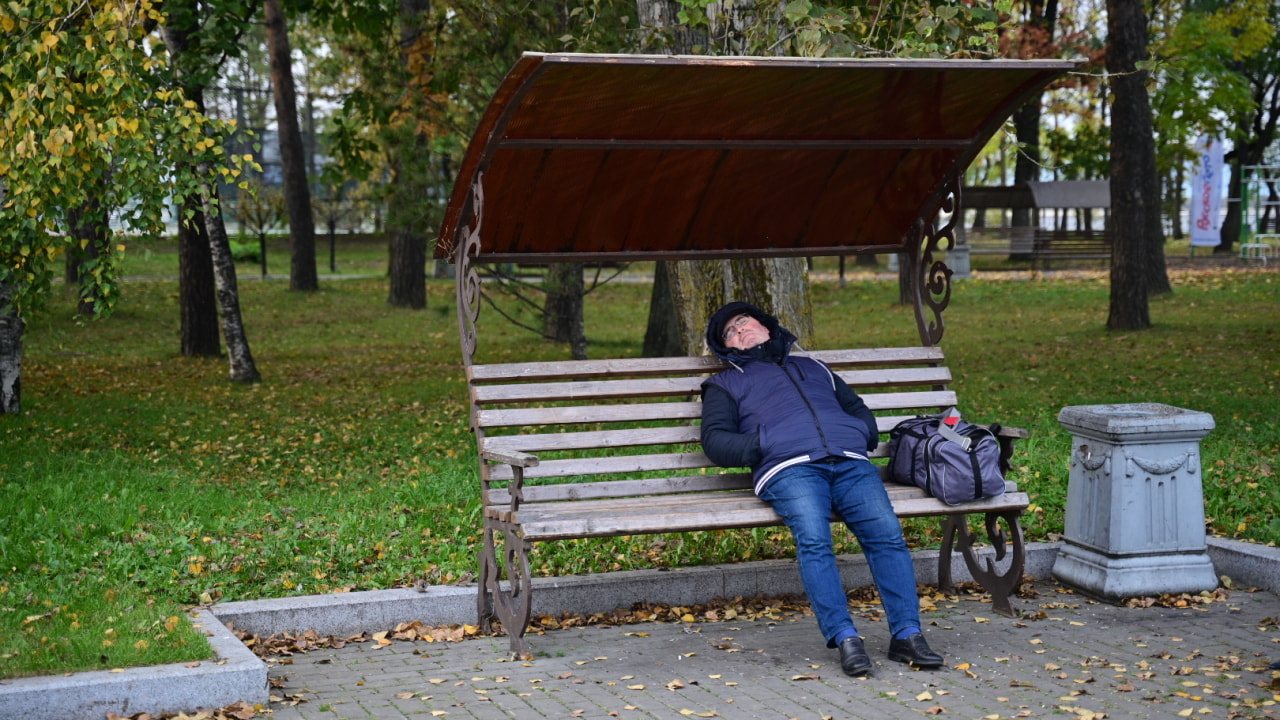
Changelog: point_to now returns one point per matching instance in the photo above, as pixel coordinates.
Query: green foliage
(260, 208)
(1082, 152)
(245, 252)
(855, 28)
(144, 474)
(1199, 63)
(88, 115)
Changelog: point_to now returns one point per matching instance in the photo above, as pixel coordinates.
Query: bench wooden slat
(625, 437)
(586, 390)
(643, 367)
(629, 437)
(626, 488)
(608, 465)
(569, 415)
(653, 462)
(924, 401)
(693, 484)
(716, 511)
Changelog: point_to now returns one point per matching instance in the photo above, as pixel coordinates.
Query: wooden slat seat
(599, 448)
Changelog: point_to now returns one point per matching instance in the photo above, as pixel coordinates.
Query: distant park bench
(1043, 248)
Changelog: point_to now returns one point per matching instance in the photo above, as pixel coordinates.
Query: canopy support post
(466, 249)
(930, 275)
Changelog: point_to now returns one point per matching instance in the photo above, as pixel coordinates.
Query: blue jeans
(807, 496)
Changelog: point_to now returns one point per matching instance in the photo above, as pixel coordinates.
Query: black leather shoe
(853, 657)
(914, 650)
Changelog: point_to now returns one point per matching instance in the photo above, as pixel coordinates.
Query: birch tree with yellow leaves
(89, 116)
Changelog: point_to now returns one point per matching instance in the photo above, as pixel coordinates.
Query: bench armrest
(510, 457)
(1013, 433)
(1005, 438)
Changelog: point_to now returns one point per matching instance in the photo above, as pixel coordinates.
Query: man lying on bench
(805, 434)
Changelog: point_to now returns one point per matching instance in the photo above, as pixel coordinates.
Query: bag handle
(948, 432)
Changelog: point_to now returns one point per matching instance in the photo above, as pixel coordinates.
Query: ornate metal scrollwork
(506, 583)
(934, 281)
(466, 251)
(956, 536)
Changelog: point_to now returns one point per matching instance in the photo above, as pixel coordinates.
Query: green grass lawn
(355, 254)
(138, 483)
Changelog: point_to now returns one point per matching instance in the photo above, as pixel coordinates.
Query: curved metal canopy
(660, 157)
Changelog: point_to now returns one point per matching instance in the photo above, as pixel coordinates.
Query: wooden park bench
(1043, 249)
(1070, 245)
(601, 448)
(602, 158)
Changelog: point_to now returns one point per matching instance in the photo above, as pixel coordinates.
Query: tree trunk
(89, 228)
(1026, 168)
(196, 283)
(779, 286)
(1245, 154)
(196, 286)
(1132, 163)
(906, 281)
(1042, 17)
(242, 367)
(660, 30)
(1154, 265)
(293, 159)
(562, 315)
(11, 329)
(1176, 200)
(407, 262)
(662, 334)
(407, 270)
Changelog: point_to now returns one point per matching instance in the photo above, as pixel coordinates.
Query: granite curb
(351, 613)
(237, 675)
(234, 674)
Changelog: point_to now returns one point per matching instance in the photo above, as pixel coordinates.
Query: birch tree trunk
(698, 288)
(240, 358)
(196, 283)
(293, 160)
(11, 329)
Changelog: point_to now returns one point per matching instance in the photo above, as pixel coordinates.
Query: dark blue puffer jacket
(772, 410)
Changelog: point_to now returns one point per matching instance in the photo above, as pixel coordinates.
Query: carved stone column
(1134, 522)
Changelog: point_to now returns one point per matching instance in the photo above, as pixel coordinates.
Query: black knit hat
(780, 339)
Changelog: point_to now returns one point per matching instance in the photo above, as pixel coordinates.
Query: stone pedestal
(1135, 503)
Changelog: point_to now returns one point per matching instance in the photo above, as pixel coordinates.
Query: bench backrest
(628, 427)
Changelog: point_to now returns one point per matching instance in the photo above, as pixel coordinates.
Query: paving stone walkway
(1068, 657)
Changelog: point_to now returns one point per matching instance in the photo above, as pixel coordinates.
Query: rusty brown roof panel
(647, 156)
